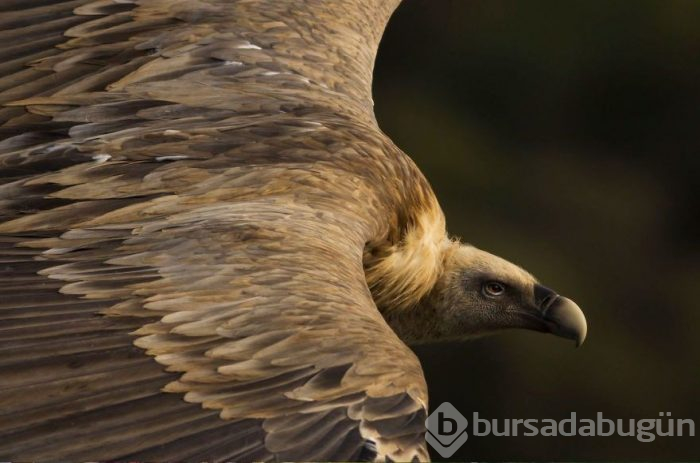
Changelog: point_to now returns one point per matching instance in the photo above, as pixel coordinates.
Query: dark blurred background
(564, 136)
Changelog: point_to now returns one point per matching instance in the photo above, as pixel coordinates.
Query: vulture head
(479, 293)
(474, 293)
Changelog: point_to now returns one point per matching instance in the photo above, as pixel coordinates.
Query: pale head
(478, 293)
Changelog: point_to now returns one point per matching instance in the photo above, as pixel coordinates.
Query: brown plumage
(208, 249)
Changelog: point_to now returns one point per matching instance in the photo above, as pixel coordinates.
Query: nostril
(544, 296)
(547, 302)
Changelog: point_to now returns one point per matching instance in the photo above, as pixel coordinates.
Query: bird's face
(479, 293)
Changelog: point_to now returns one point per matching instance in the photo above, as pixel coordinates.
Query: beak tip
(566, 319)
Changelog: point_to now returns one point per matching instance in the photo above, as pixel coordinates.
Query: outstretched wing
(187, 189)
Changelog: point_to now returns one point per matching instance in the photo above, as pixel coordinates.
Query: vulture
(209, 251)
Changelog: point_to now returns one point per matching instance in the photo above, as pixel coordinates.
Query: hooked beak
(561, 315)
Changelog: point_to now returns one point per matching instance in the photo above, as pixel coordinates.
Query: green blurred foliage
(564, 136)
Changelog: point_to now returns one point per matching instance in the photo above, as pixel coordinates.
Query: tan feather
(198, 180)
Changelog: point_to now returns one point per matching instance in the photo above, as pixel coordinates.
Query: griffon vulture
(209, 250)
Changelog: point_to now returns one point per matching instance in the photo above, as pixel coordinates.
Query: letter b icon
(446, 429)
(446, 426)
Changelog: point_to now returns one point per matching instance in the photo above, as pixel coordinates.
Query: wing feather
(187, 189)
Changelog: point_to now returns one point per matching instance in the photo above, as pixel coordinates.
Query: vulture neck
(400, 275)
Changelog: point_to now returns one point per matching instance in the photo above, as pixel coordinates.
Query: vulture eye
(493, 288)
